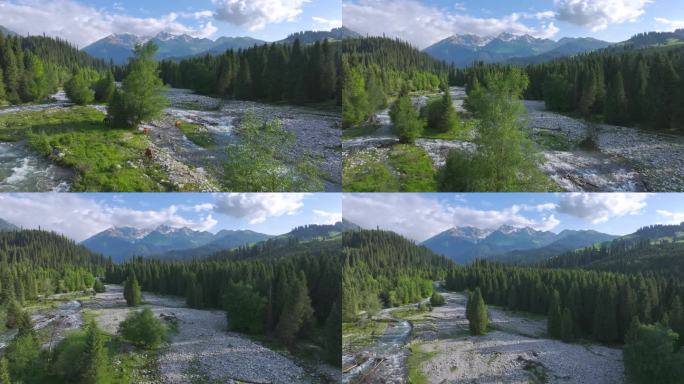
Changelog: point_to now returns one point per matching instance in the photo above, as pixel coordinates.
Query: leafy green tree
(405, 120)
(650, 356)
(567, 325)
(355, 104)
(478, 314)
(78, 88)
(23, 354)
(245, 308)
(4, 372)
(96, 365)
(505, 159)
(98, 286)
(105, 87)
(142, 91)
(132, 292)
(555, 316)
(68, 357)
(143, 329)
(436, 300)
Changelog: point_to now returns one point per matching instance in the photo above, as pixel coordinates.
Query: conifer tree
(4, 372)
(296, 312)
(555, 316)
(478, 314)
(355, 104)
(567, 325)
(243, 83)
(97, 368)
(132, 292)
(405, 120)
(616, 102)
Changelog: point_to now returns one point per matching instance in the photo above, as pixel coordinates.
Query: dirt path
(514, 351)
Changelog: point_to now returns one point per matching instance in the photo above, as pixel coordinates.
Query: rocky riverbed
(188, 166)
(515, 350)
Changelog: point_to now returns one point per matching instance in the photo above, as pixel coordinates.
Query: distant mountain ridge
(463, 50)
(119, 47)
(465, 244)
(122, 243)
(7, 226)
(164, 242)
(6, 32)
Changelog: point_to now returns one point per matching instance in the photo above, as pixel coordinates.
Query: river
(317, 134)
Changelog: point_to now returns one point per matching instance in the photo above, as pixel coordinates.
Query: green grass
(553, 140)
(414, 167)
(365, 172)
(414, 361)
(361, 333)
(362, 130)
(198, 135)
(104, 159)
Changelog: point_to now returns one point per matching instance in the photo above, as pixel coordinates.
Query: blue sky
(81, 215)
(420, 216)
(85, 21)
(424, 22)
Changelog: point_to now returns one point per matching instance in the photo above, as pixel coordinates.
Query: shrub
(143, 329)
(437, 300)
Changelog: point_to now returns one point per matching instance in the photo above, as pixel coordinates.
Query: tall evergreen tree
(555, 317)
(132, 292)
(97, 368)
(567, 324)
(616, 101)
(478, 317)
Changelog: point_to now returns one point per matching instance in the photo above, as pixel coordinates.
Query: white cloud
(600, 207)
(197, 15)
(599, 14)
(419, 218)
(257, 207)
(672, 217)
(423, 25)
(327, 24)
(79, 218)
(670, 24)
(82, 24)
(256, 14)
(325, 217)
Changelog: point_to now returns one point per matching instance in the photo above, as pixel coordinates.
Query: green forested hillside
(383, 269)
(31, 68)
(292, 294)
(627, 86)
(275, 72)
(602, 304)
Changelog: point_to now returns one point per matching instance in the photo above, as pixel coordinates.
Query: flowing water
(22, 170)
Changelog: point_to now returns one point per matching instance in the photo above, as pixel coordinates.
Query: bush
(437, 300)
(650, 356)
(98, 286)
(68, 358)
(245, 308)
(78, 89)
(143, 329)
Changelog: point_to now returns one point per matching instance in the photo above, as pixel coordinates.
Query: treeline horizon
(275, 72)
(292, 298)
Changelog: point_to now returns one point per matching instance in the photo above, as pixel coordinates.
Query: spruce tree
(405, 120)
(97, 369)
(296, 312)
(243, 83)
(4, 372)
(616, 101)
(355, 104)
(478, 317)
(132, 292)
(555, 316)
(567, 326)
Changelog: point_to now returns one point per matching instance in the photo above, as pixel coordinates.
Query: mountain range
(6, 31)
(6, 226)
(508, 243)
(463, 50)
(119, 47)
(164, 242)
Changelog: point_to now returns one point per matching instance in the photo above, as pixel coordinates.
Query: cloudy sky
(424, 22)
(86, 21)
(81, 215)
(420, 216)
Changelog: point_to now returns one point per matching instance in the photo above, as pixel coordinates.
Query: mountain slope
(119, 47)
(7, 226)
(568, 240)
(310, 37)
(122, 243)
(510, 244)
(6, 32)
(463, 50)
(465, 244)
